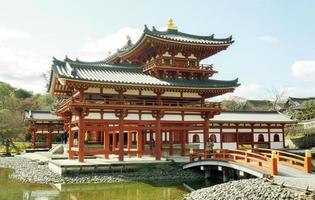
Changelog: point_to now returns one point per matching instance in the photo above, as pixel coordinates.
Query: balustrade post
(191, 153)
(308, 161)
(274, 163)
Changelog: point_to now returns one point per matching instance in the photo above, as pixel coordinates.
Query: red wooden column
(269, 138)
(81, 139)
(144, 137)
(49, 139)
(106, 143)
(283, 137)
(34, 139)
(170, 150)
(81, 125)
(129, 142)
(183, 142)
(71, 140)
(221, 136)
(121, 138)
(237, 137)
(206, 130)
(114, 142)
(139, 143)
(158, 137)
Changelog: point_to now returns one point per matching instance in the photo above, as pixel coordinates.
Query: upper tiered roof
(172, 36)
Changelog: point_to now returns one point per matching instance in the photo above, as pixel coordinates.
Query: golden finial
(171, 25)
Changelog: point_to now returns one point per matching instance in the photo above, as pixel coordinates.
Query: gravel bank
(33, 172)
(253, 189)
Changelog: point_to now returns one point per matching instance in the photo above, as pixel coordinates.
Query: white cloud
(268, 38)
(251, 90)
(110, 43)
(23, 68)
(304, 70)
(10, 33)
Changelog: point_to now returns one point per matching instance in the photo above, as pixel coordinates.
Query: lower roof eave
(135, 85)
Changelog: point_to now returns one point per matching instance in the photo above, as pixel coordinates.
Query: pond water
(11, 189)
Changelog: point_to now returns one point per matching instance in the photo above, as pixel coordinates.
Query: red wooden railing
(303, 163)
(144, 102)
(158, 63)
(266, 160)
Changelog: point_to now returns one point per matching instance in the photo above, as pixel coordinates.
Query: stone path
(296, 178)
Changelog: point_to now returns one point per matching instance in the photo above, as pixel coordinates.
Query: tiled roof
(126, 74)
(172, 35)
(298, 101)
(41, 115)
(175, 35)
(252, 116)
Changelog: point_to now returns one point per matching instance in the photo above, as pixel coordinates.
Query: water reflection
(128, 191)
(14, 190)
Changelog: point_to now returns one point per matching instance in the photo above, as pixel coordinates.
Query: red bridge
(268, 161)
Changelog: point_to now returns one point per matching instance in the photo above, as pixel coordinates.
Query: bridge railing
(303, 163)
(259, 161)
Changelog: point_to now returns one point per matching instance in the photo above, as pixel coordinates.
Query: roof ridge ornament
(171, 25)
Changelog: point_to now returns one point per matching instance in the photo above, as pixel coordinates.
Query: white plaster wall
(276, 145)
(244, 130)
(148, 92)
(278, 130)
(132, 117)
(186, 94)
(229, 146)
(171, 94)
(109, 91)
(193, 118)
(93, 116)
(214, 130)
(93, 90)
(229, 130)
(172, 117)
(132, 92)
(260, 130)
(264, 134)
(109, 116)
(147, 117)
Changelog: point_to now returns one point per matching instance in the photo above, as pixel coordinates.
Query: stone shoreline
(248, 189)
(29, 171)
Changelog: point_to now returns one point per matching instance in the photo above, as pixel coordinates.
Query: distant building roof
(252, 117)
(41, 115)
(294, 101)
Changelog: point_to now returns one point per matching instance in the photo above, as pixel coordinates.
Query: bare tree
(277, 97)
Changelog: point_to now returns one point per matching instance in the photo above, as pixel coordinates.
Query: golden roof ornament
(171, 25)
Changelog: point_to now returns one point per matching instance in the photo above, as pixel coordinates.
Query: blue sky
(273, 50)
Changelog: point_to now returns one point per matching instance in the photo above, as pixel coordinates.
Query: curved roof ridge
(171, 31)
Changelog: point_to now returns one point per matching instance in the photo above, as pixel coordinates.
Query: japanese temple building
(149, 98)
(43, 126)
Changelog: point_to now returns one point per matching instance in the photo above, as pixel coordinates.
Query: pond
(11, 189)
